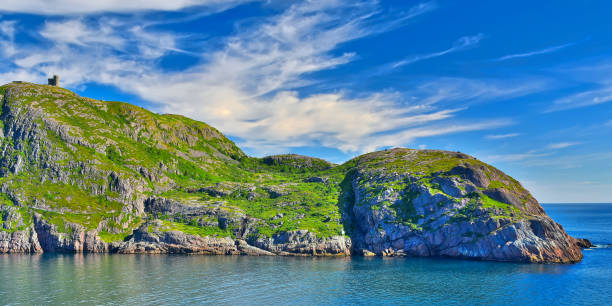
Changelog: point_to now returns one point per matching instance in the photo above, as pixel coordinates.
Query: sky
(523, 85)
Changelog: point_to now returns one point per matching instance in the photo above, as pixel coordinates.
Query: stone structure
(54, 81)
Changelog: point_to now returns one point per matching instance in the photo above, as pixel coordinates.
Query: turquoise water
(164, 279)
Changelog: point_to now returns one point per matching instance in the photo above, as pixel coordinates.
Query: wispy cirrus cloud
(7, 37)
(534, 53)
(502, 136)
(447, 90)
(562, 145)
(594, 78)
(73, 7)
(539, 156)
(554, 162)
(248, 88)
(516, 157)
(462, 43)
(582, 99)
(7, 28)
(76, 32)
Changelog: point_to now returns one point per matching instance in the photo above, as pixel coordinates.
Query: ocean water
(168, 279)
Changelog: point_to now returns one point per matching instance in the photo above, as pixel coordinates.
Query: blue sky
(525, 86)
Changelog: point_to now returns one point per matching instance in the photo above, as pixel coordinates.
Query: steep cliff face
(436, 203)
(81, 175)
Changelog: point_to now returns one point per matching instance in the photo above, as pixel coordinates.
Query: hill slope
(81, 175)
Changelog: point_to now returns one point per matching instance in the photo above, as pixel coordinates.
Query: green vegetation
(109, 237)
(405, 211)
(92, 162)
(311, 206)
(499, 209)
(422, 163)
(495, 209)
(195, 230)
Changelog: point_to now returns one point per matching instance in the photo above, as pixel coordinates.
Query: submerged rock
(584, 243)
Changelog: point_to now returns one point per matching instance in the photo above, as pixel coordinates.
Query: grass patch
(202, 231)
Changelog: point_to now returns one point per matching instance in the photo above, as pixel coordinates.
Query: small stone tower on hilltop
(54, 81)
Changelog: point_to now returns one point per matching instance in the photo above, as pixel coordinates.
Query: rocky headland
(82, 175)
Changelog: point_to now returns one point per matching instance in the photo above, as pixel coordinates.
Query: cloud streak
(583, 99)
(516, 157)
(462, 43)
(502, 136)
(562, 145)
(544, 156)
(534, 53)
(74, 7)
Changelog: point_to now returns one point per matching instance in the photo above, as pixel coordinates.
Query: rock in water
(81, 175)
(584, 243)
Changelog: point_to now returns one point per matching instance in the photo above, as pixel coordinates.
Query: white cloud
(476, 90)
(7, 38)
(538, 157)
(247, 88)
(502, 136)
(408, 135)
(75, 31)
(100, 50)
(562, 145)
(536, 52)
(19, 75)
(333, 120)
(33, 60)
(7, 28)
(598, 76)
(462, 43)
(583, 99)
(70, 7)
(516, 157)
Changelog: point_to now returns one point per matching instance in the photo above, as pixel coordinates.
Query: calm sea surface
(164, 279)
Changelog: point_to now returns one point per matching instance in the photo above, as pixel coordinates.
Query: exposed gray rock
(276, 191)
(444, 219)
(303, 242)
(25, 241)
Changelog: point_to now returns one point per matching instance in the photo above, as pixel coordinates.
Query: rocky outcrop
(147, 240)
(150, 238)
(458, 213)
(25, 241)
(303, 242)
(300, 242)
(584, 243)
(73, 238)
(16, 234)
